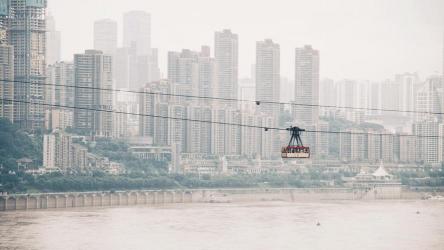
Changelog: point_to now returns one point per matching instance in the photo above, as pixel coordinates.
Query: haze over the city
(371, 40)
(222, 124)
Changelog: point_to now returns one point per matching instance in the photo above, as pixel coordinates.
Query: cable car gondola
(295, 148)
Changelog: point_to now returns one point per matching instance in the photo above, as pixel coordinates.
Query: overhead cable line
(257, 102)
(213, 122)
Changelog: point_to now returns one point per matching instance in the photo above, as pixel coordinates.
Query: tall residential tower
(105, 36)
(53, 43)
(6, 73)
(93, 69)
(306, 86)
(268, 76)
(137, 31)
(25, 25)
(226, 55)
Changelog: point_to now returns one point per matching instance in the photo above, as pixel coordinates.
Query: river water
(243, 226)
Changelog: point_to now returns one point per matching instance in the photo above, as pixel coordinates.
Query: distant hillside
(16, 144)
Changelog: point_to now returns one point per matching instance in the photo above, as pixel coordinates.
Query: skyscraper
(93, 69)
(268, 89)
(390, 95)
(199, 139)
(53, 42)
(226, 55)
(427, 101)
(26, 31)
(207, 74)
(141, 61)
(427, 146)
(60, 75)
(268, 76)
(408, 83)
(306, 85)
(191, 72)
(181, 74)
(154, 105)
(6, 69)
(327, 94)
(6, 73)
(105, 36)
(122, 68)
(137, 31)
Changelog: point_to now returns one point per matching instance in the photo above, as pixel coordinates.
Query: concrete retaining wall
(93, 199)
(152, 197)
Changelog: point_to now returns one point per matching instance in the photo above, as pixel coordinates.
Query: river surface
(243, 226)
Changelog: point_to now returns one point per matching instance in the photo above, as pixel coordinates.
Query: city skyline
(345, 25)
(259, 108)
(200, 112)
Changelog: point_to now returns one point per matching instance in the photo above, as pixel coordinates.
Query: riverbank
(158, 197)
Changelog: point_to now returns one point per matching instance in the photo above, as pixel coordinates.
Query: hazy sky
(359, 39)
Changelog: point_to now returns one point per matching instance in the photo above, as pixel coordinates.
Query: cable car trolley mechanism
(295, 148)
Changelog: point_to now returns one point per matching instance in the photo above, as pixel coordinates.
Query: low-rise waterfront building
(150, 152)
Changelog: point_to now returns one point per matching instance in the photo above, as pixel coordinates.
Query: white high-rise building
(363, 94)
(427, 101)
(153, 66)
(93, 69)
(227, 59)
(427, 144)
(374, 98)
(137, 32)
(268, 90)
(373, 146)
(327, 95)
(59, 90)
(122, 68)
(268, 76)
(306, 85)
(57, 150)
(105, 36)
(353, 145)
(192, 73)
(322, 140)
(137, 63)
(269, 143)
(53, 42)
(390, 95)
(177, 128)
(407, 85)
(199, 133)
(207, 75)
(407, 148)
(49, 146)
(233, 133)
(219, 143)
(247, 91)
(250, 140)
(351, 94)
(154, 105)
(226, 139)
(387, 146)
(441, 143)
